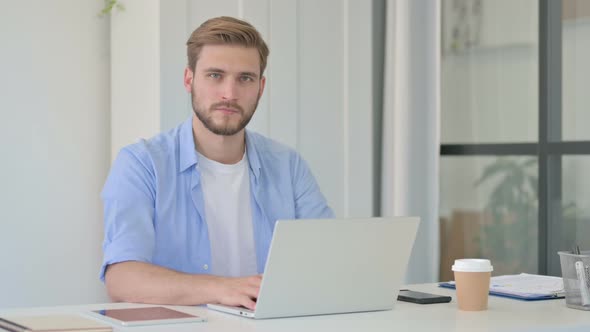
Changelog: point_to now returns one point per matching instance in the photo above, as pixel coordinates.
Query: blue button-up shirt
(154, 208)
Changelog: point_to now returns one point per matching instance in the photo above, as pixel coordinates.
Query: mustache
(227, 104)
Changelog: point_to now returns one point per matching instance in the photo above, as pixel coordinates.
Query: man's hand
(164, 286)
(239, 291)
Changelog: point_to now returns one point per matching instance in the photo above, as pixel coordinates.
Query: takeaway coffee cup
(472, 280)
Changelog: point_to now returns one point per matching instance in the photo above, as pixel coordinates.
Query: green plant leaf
(109, 5)
(490, 170)
(529, 162)
(534, 183)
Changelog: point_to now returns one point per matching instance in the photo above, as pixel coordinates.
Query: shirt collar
(188, 155)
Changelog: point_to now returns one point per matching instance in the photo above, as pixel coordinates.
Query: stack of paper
(523, 286)
(52, 323)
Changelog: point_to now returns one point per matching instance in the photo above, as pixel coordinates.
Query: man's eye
(214, 75)
(246, 79)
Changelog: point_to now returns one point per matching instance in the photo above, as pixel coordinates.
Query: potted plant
(509, 231)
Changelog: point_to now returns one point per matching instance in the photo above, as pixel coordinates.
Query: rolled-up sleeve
(129, 199)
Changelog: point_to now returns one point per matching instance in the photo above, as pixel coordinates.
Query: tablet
(146, 316)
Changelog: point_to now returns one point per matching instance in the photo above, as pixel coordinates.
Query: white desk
(502, 315)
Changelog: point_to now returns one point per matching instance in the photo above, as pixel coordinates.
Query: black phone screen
(421, 297)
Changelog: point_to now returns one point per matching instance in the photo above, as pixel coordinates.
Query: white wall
(135, 58)
(319, 93)
(54, 156)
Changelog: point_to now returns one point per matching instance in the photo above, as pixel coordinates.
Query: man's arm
(140, 282)
(129, 198)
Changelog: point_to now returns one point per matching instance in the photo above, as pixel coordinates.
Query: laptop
(330, 266)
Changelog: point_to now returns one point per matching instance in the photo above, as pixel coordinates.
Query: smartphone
(421, 298)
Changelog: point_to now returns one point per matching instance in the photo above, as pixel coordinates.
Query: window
(514, 132)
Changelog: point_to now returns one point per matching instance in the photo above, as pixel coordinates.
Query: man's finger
(248, 303)
(251, 292)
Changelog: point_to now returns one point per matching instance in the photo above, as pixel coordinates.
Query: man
(189, 214)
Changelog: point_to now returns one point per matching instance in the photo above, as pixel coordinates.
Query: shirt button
(205, 267)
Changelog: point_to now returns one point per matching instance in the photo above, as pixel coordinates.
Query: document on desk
(524, 286)
(51, 322)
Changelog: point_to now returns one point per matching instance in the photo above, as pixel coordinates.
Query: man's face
(225, 87)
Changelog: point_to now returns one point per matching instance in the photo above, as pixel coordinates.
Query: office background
(363, 89)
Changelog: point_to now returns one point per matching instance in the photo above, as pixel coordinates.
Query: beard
(228, 128)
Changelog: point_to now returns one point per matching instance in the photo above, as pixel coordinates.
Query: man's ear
(262, 84)
(188, 79)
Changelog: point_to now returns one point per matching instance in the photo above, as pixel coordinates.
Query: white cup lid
(472, 265)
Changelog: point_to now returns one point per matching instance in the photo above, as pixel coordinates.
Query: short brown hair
(225, 30)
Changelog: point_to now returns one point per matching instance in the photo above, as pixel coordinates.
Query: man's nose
(230, 90)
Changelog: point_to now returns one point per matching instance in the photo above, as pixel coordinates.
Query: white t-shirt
(226, 193)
